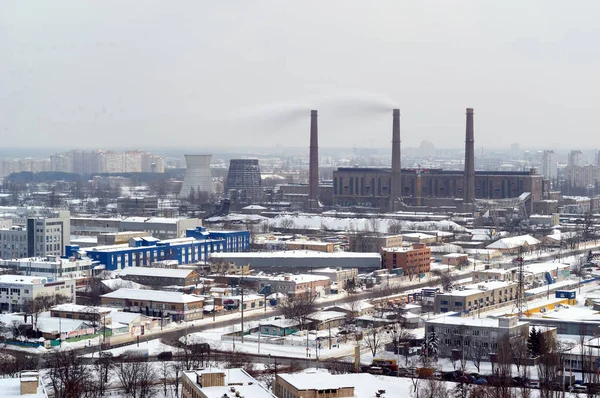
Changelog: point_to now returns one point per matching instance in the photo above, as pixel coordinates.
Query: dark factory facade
(356, 186)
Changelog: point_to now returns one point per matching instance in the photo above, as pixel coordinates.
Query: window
(444, 302)
(475, 332)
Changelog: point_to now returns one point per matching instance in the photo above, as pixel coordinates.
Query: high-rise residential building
(548, 165)
(574, 158)
(99, 161)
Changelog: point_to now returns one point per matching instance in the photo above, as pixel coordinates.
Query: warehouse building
(299, 261)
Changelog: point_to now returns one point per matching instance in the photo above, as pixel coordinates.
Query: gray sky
(245, 73)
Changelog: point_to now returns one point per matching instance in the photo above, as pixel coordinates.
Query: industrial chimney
(313, 168)
(469, 176)
(396, 183)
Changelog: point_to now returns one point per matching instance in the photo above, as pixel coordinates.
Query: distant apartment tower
(597, 159)
(548, 165)
(574, 158)
(244, 178)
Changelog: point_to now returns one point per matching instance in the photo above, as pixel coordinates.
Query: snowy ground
(296, 348)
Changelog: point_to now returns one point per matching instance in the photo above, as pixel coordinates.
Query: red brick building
(413, 260)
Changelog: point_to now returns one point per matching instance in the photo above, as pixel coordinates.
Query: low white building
(51, 266)
(17, 290)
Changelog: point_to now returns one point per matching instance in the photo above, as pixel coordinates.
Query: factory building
(353, 186)
(195, 247)
(300, 260)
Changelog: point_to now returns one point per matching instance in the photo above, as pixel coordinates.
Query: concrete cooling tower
(244, 176)
(197, 175)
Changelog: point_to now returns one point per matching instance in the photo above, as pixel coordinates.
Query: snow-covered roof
(124, 317)
(56, 325)
(466, 321)
(236, 378)
(365, 384)
(81, 308)
(153, 295)
(324, 316)
(118, 283)
(11, 387)
(295, 254)
(156, 272)
(513, 242)
(21, 279)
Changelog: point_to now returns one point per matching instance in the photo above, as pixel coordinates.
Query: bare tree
(137, 378)
(433, 388)
(373, 339)
(395, 227)
(519, 350)
(444, 279)
(548, 366)
(478, 352)
(299, 307)
(68, 375)
(177, 369)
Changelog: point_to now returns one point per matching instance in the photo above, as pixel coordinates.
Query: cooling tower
(244, 176)
(313, 166)
(396, 188)
(469, 181)
(197, 175)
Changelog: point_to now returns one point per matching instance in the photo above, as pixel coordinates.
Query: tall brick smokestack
(313, 168)
(396, 188)
(469, 176)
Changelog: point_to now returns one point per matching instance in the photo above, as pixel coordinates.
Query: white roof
(326, 315)
(360, 306)
(513, 242)
(153, 295)
(55, 324)
(418, 235)
(124, 317)
(238, 378)
(466, 321)
(157, 272)
(296, 254)
(365, 385)
(20, 279)
(81, 308)
(12, 388)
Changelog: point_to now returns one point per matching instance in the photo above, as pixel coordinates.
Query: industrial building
(194, 248)
(300, 261)
(50, 266)
(35, 236)
(213, 383)
(178, 306)
(461, 334)
(161, 277)
(244, 178)
(354, 186)
(394, 188)
(415, 260)
(17, 290)
(477, 296)
(159, 227)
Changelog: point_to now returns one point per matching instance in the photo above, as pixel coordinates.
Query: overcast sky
(246, 73)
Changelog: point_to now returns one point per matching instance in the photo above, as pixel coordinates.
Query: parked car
(533, 384)
(578, 388)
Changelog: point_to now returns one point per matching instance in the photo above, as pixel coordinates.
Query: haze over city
(231, 74)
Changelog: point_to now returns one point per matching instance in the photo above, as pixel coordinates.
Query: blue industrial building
(195, 247)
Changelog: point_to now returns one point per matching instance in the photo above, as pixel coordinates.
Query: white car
(577, 388)
(533, 384)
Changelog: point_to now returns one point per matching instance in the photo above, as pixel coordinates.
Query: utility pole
(242, 290)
